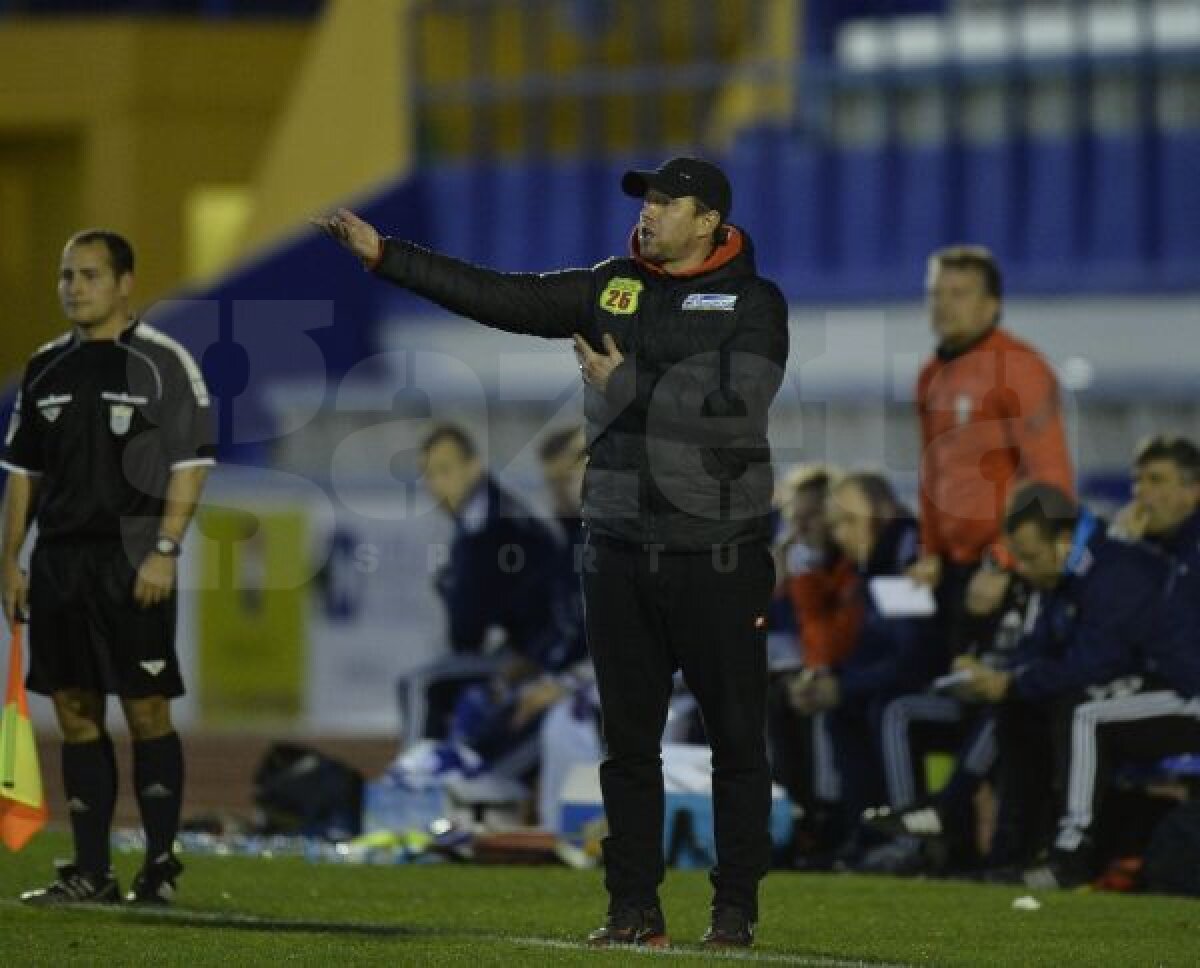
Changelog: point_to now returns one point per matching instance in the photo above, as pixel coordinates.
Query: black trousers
(649, 613)
(1030, 770)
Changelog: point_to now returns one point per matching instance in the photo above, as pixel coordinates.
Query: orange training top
(828, 612)
(990, 418)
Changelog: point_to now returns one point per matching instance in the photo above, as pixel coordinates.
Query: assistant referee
(108, 450)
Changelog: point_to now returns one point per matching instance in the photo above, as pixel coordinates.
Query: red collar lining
(725, 252)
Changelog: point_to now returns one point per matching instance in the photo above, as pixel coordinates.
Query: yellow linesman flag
(22, 803)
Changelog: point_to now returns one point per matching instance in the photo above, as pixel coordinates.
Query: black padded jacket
(677, 442)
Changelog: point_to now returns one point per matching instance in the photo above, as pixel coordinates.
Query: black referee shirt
(103, 423)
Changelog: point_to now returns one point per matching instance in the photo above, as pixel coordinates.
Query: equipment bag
(1172, 864)
(300, 791)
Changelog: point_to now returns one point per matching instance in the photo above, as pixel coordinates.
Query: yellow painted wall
(443, 34)
(345, 128)
(113, 122)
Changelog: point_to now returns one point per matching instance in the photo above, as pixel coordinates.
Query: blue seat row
(1072, 214)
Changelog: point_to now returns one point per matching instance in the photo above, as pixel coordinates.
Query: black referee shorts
(86, 631)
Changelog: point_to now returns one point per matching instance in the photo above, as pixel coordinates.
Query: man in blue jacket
(1086, 634)
(504, 572)
(1163, 716)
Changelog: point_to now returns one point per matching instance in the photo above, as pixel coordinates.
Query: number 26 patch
(620, 296)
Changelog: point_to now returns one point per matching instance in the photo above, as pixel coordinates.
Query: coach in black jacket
(682, 348)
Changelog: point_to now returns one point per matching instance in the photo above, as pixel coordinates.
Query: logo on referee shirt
(51, 408)
(153, 666)
(120, 418)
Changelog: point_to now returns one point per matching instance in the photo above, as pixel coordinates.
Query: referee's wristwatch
(166, 546)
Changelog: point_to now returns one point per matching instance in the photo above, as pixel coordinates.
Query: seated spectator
(818, 577)
(1087, 633)
(503, 574)
(892, 655)
(818, 583)
(1161, 716)
(936, 721)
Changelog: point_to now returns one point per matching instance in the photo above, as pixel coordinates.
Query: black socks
(90, 778)
(158, 781)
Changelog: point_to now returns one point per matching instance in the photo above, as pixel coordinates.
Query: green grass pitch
(242, 911)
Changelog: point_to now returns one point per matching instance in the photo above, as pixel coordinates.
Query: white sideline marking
(757, 957)
(235, 920)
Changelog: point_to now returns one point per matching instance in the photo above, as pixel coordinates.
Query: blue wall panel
(988, 205)
(451, 210)
(1050, 205)
(923, 200)
(1179, 205)
(1116, 209)
(861, 191)
(806, 208)
(519, 217)
(573, 200)
(754, 167)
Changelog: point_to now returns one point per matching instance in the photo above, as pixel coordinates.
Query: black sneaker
(74, 886)
(155, 882)
(731, 927)
(632, 925)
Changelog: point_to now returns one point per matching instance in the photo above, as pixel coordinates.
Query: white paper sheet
(897, 596)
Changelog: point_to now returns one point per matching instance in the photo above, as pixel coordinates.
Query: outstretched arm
(551, 304)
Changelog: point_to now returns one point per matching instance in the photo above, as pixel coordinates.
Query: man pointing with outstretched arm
(682, 347)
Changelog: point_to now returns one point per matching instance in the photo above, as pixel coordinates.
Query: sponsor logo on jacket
(712, 301)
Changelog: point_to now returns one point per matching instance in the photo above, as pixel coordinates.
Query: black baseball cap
(680, 177)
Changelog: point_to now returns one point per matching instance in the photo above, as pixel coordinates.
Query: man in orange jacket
(990, 417)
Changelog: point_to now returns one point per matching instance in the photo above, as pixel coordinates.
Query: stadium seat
(1179, 206)
(1119, 202)
(567, 216)
(924, 198)
(862, 186)
(517, 224)
(753, 166)
(455, 202)
(989, 203)
(1050, 208)
(805, 209)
